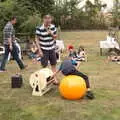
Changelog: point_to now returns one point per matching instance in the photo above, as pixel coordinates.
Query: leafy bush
(30, 24)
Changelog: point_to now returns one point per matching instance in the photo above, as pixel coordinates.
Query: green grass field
(19, 104)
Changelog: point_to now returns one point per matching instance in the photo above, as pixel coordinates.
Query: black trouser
(15, 55)
(85, 77)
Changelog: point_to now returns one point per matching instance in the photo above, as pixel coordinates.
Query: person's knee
(85, 77)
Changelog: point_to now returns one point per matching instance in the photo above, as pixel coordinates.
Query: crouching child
(68, 67)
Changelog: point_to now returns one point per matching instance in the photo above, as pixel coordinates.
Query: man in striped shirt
(45, 40)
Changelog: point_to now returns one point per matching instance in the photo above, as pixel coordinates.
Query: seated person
(112, 39)
(34, 52)
(72, 52)
(68, 68)
(114, 57)
(81, 56)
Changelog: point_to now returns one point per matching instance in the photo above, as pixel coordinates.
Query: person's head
(47, 20)
(81, 48)
(13, 20)
(70, 48)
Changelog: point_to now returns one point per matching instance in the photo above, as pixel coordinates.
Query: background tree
(67, 14)
(116, 13)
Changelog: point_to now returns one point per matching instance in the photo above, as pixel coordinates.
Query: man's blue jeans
(15, 55)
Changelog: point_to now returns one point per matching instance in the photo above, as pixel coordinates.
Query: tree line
(67, 14)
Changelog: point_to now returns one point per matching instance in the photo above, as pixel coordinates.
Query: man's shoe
(90, 95)
(25, 67)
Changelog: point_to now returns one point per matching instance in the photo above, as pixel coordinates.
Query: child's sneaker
(90, 95)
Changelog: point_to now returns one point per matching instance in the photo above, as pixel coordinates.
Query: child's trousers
(85, 77)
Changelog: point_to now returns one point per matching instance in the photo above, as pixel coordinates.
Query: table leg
(101, 51)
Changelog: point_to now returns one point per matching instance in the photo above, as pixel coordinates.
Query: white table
(109, 43)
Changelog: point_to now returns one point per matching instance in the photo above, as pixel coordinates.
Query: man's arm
(56, 73)
(9, 33)
(76, 64)
(10, 43)
(53, 33)
(59, 70)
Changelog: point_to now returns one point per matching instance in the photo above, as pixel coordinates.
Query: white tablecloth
(107, 44)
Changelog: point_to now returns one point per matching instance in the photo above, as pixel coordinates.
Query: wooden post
(100, 51)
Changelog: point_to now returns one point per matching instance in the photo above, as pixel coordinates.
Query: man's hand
(50, 32)
(10, 44)
(11, 48)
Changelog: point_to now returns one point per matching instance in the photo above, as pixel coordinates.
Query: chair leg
(101, 51)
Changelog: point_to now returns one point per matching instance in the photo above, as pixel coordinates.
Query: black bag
(16, 81)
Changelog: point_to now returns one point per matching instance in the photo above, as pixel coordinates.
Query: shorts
(48, 56)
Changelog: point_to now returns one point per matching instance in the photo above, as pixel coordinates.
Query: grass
(19, 104)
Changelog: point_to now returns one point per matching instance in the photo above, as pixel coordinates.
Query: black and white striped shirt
(46, 41)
